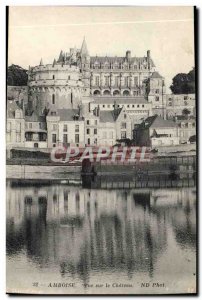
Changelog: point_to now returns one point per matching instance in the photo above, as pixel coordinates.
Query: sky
(37, 32)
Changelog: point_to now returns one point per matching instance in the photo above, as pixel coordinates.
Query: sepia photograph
(101, 150)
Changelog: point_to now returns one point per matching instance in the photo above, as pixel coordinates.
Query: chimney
(148, 59)
(128, 54)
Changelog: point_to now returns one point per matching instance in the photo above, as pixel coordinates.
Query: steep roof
(156, 75)
(120, 59)
(84, 49)
(12, 106)
(109, 115)
(67, 114)
(35, 118)
(119, 100)
(156, 122)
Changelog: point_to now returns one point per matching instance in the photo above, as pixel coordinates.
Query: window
(126, 81)
(106, 80)
(53, 138)
(53, 113)
(103, 106)
(128, 105)
(157, 91)
(69, 77)
(88, 141)
(65, 128)
(88, 122)
(76, 128)
(76, 138)
(193, 124)
(30, 125)
(138, 105)
(97, 80)
(65, 138)
(133, 105)
(95, 122)
(54, 127)
(116, 80)
(53, 76)
(142, 105)
(123, 134)
(95, 131)
(123, 125)
(136, 81)
(53, 98)
(157, 98)
(88, 131)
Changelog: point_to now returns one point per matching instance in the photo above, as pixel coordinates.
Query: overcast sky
(41, 32)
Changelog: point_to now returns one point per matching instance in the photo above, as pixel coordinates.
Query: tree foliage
(184, 83)
(16, 76)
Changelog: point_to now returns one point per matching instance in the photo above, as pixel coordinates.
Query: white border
(3, 4)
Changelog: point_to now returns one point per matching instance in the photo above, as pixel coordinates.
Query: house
(114, 125)
(65, 126)
(15, 125)
(186, 127)
(155, 132)
(35, 131)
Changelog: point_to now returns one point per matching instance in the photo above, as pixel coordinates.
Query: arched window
(125, 93)
(96, 92)
(106, 92)
(116, 93)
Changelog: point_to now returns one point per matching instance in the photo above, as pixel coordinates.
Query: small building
(187, 128)
(176, 104)
(35, 131)
(15, 125)
(114, 125)
(137, 107)
(65, 126)
(155, 132)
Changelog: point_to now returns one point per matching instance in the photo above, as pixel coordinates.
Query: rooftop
(119, 100)
(156, 122)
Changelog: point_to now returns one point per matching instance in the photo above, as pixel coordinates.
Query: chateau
(76, 76)
(92, 100)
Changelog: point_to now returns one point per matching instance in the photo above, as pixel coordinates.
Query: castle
(92, 100)
(76, 77)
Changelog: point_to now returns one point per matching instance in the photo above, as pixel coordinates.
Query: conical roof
(84, 50)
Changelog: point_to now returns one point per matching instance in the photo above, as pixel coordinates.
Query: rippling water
(67, 239)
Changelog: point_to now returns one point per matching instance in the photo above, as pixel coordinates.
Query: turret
(41, 62)
(148, 59)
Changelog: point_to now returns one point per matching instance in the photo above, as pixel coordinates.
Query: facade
(176, 104)
(187, 128)
(15, 126)
(95, 100)
(138, 108)
(76, 74)
(35, 131)
(155, 132)
(65, 126)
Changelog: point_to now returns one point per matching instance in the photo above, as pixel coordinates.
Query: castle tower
(85, 66)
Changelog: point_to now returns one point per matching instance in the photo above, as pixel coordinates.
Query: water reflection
(82, 231)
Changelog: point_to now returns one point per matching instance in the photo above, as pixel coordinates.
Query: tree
(16, 76)
(184, 83)
(186, 112)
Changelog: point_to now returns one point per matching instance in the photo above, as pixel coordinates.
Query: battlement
(56, 67)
